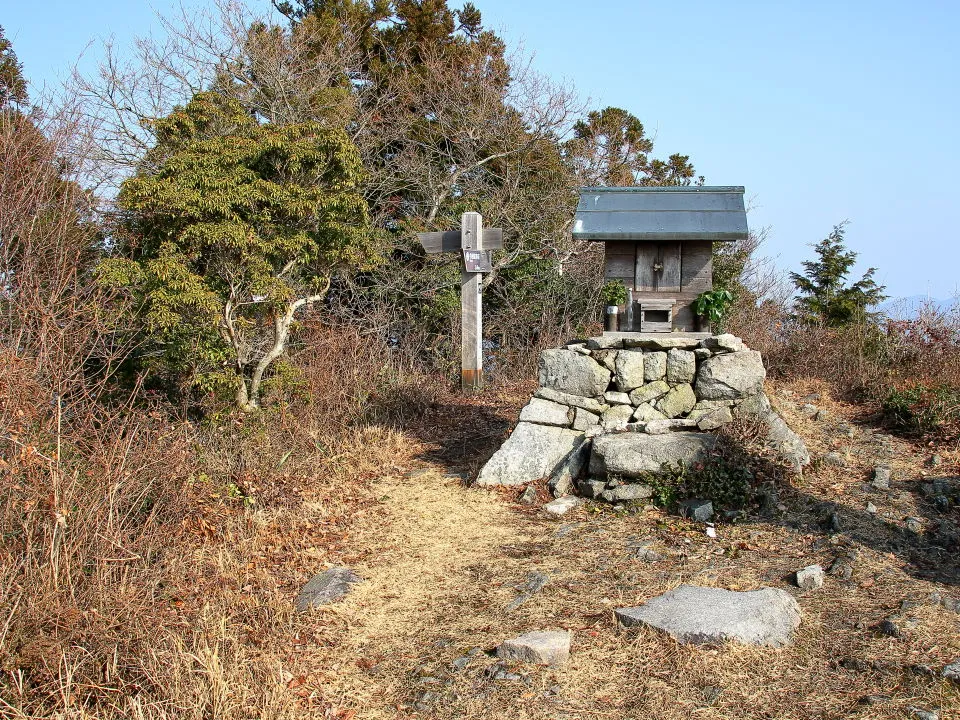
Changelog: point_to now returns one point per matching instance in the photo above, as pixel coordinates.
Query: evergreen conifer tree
(824, 296)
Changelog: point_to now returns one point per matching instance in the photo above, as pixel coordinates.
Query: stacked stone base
(613, 408)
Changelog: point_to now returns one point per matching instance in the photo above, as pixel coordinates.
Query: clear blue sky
(825, 111)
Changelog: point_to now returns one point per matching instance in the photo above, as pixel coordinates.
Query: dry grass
(443, 560)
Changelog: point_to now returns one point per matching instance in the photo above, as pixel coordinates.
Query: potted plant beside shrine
(614, 294)
(710, 307)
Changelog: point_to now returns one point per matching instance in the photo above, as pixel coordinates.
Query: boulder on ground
(701, 615)
(544, 647)
(634, 454)
(810, 577)
(788, 445)
(571, 372)
(530, 453)
(730, 376)
(326, 587)
(562, 505)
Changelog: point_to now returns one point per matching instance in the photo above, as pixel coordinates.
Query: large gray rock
(571, 372)
(681, 366)
(678, 401)
(705, 407)
(654, 366)
(326, 587)
(613, 397)
(649, 393)
(699, 615)
(730, 376)
(544, 647)
(530, 453)
(577, 401)
(633, 454)
(546, 412)
(629, 369)
(786, 442)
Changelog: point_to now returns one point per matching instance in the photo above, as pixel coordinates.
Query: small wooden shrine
(659, 244)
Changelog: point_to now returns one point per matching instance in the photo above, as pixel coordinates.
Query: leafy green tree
(229, 229)
(825, 297)
(13, 87)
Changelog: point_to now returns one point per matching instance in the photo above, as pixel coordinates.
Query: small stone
(654, 366)
(809, 411)
(426, 701)
(810, 577)
(616, 418)
(612, 397)
(546, 412)
(528, 496)
(724, 343)
(702, 353)
(649, 393)
(922, 714)
(834, 459)
(681, 366)
(629, 370)
(842, 568)
(583, 419)
(881, 478)
(833, 523)
(889, 628)
(561, 506)
(678, 401)
(326, 587)
(461, 663)
(544, 647)
(914, 525)
(871, 508)
(715, 419)
(697, 510)
(874, 699)
(952, 671)
(646, 412)
(936, 461)
(627, 492)
(591, 488)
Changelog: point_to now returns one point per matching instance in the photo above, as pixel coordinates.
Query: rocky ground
(450, 572)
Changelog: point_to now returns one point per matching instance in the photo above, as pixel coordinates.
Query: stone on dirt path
(326, 587)
(544, 647)
(810, 577)
(702, 615)
(562, 505)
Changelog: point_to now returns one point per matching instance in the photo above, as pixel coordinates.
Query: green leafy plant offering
(713, 304)
(614, 293)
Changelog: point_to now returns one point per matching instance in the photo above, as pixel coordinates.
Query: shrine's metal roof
(713, 213)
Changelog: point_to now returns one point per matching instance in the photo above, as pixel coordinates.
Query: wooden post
(471, 306)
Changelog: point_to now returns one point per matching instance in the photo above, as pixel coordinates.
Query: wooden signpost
(474, 244)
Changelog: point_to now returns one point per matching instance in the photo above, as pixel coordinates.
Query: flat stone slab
(326, 587)
(530, 453)
(561, 506)
(700, 615)
(634, 454)
(544, 647)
